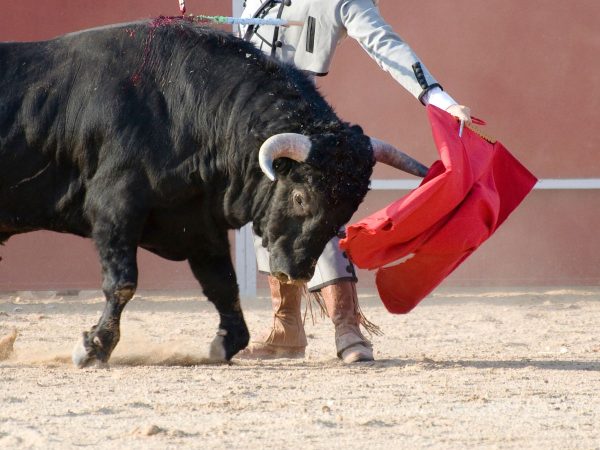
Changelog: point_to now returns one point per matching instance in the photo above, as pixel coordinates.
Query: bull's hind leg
(117, 247)
(219, 284)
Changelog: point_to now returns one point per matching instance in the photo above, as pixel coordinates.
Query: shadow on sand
(431, 364)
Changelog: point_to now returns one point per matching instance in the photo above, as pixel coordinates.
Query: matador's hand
(461, 112)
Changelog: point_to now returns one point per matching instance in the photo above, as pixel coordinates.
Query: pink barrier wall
(531, 69)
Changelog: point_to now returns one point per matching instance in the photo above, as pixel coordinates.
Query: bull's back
(72, 106)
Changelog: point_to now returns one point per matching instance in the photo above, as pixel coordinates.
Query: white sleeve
(439, 98)
(363, 23)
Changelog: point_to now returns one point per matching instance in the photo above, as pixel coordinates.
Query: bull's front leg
(217, 278)
(117, 247)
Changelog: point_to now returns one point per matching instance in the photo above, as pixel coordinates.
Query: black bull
(148, 134)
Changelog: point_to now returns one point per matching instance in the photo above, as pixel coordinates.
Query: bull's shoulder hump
(110, 27)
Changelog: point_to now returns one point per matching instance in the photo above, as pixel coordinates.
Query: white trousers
(333, 264)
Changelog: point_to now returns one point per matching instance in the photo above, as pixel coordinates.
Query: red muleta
(417, 241)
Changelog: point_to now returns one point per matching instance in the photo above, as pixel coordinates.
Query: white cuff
(439, 98)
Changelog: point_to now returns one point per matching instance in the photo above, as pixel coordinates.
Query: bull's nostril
(282, 277)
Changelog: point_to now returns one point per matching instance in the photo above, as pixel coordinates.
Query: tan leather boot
(341, 302)
(286, 339)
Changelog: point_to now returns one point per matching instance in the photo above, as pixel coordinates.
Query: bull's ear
(282, 166)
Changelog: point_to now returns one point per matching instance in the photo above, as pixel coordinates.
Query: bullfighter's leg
(335, 279)
(285, 338)
(117, 246)
(217, 278)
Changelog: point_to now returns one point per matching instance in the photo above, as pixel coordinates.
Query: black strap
(261, 12)
(276, 31)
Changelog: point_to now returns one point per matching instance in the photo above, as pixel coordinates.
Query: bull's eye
(298, 199)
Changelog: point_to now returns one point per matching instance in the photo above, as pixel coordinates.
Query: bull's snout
(291, 270)
(285, 279)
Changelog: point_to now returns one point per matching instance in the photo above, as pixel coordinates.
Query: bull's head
(321, 181)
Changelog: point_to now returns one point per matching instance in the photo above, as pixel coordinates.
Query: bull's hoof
(81, 355)
(217, 350)
(84, 355)
(228, 343)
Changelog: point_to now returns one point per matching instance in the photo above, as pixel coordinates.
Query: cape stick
(245, 21)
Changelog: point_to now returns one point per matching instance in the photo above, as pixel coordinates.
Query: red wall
(531, 69)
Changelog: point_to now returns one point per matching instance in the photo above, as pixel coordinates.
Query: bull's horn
(285, 145)
(388, 154)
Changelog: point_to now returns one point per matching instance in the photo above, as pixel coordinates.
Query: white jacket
(326, 22)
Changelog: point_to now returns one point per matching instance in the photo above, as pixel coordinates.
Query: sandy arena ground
(512, 369)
